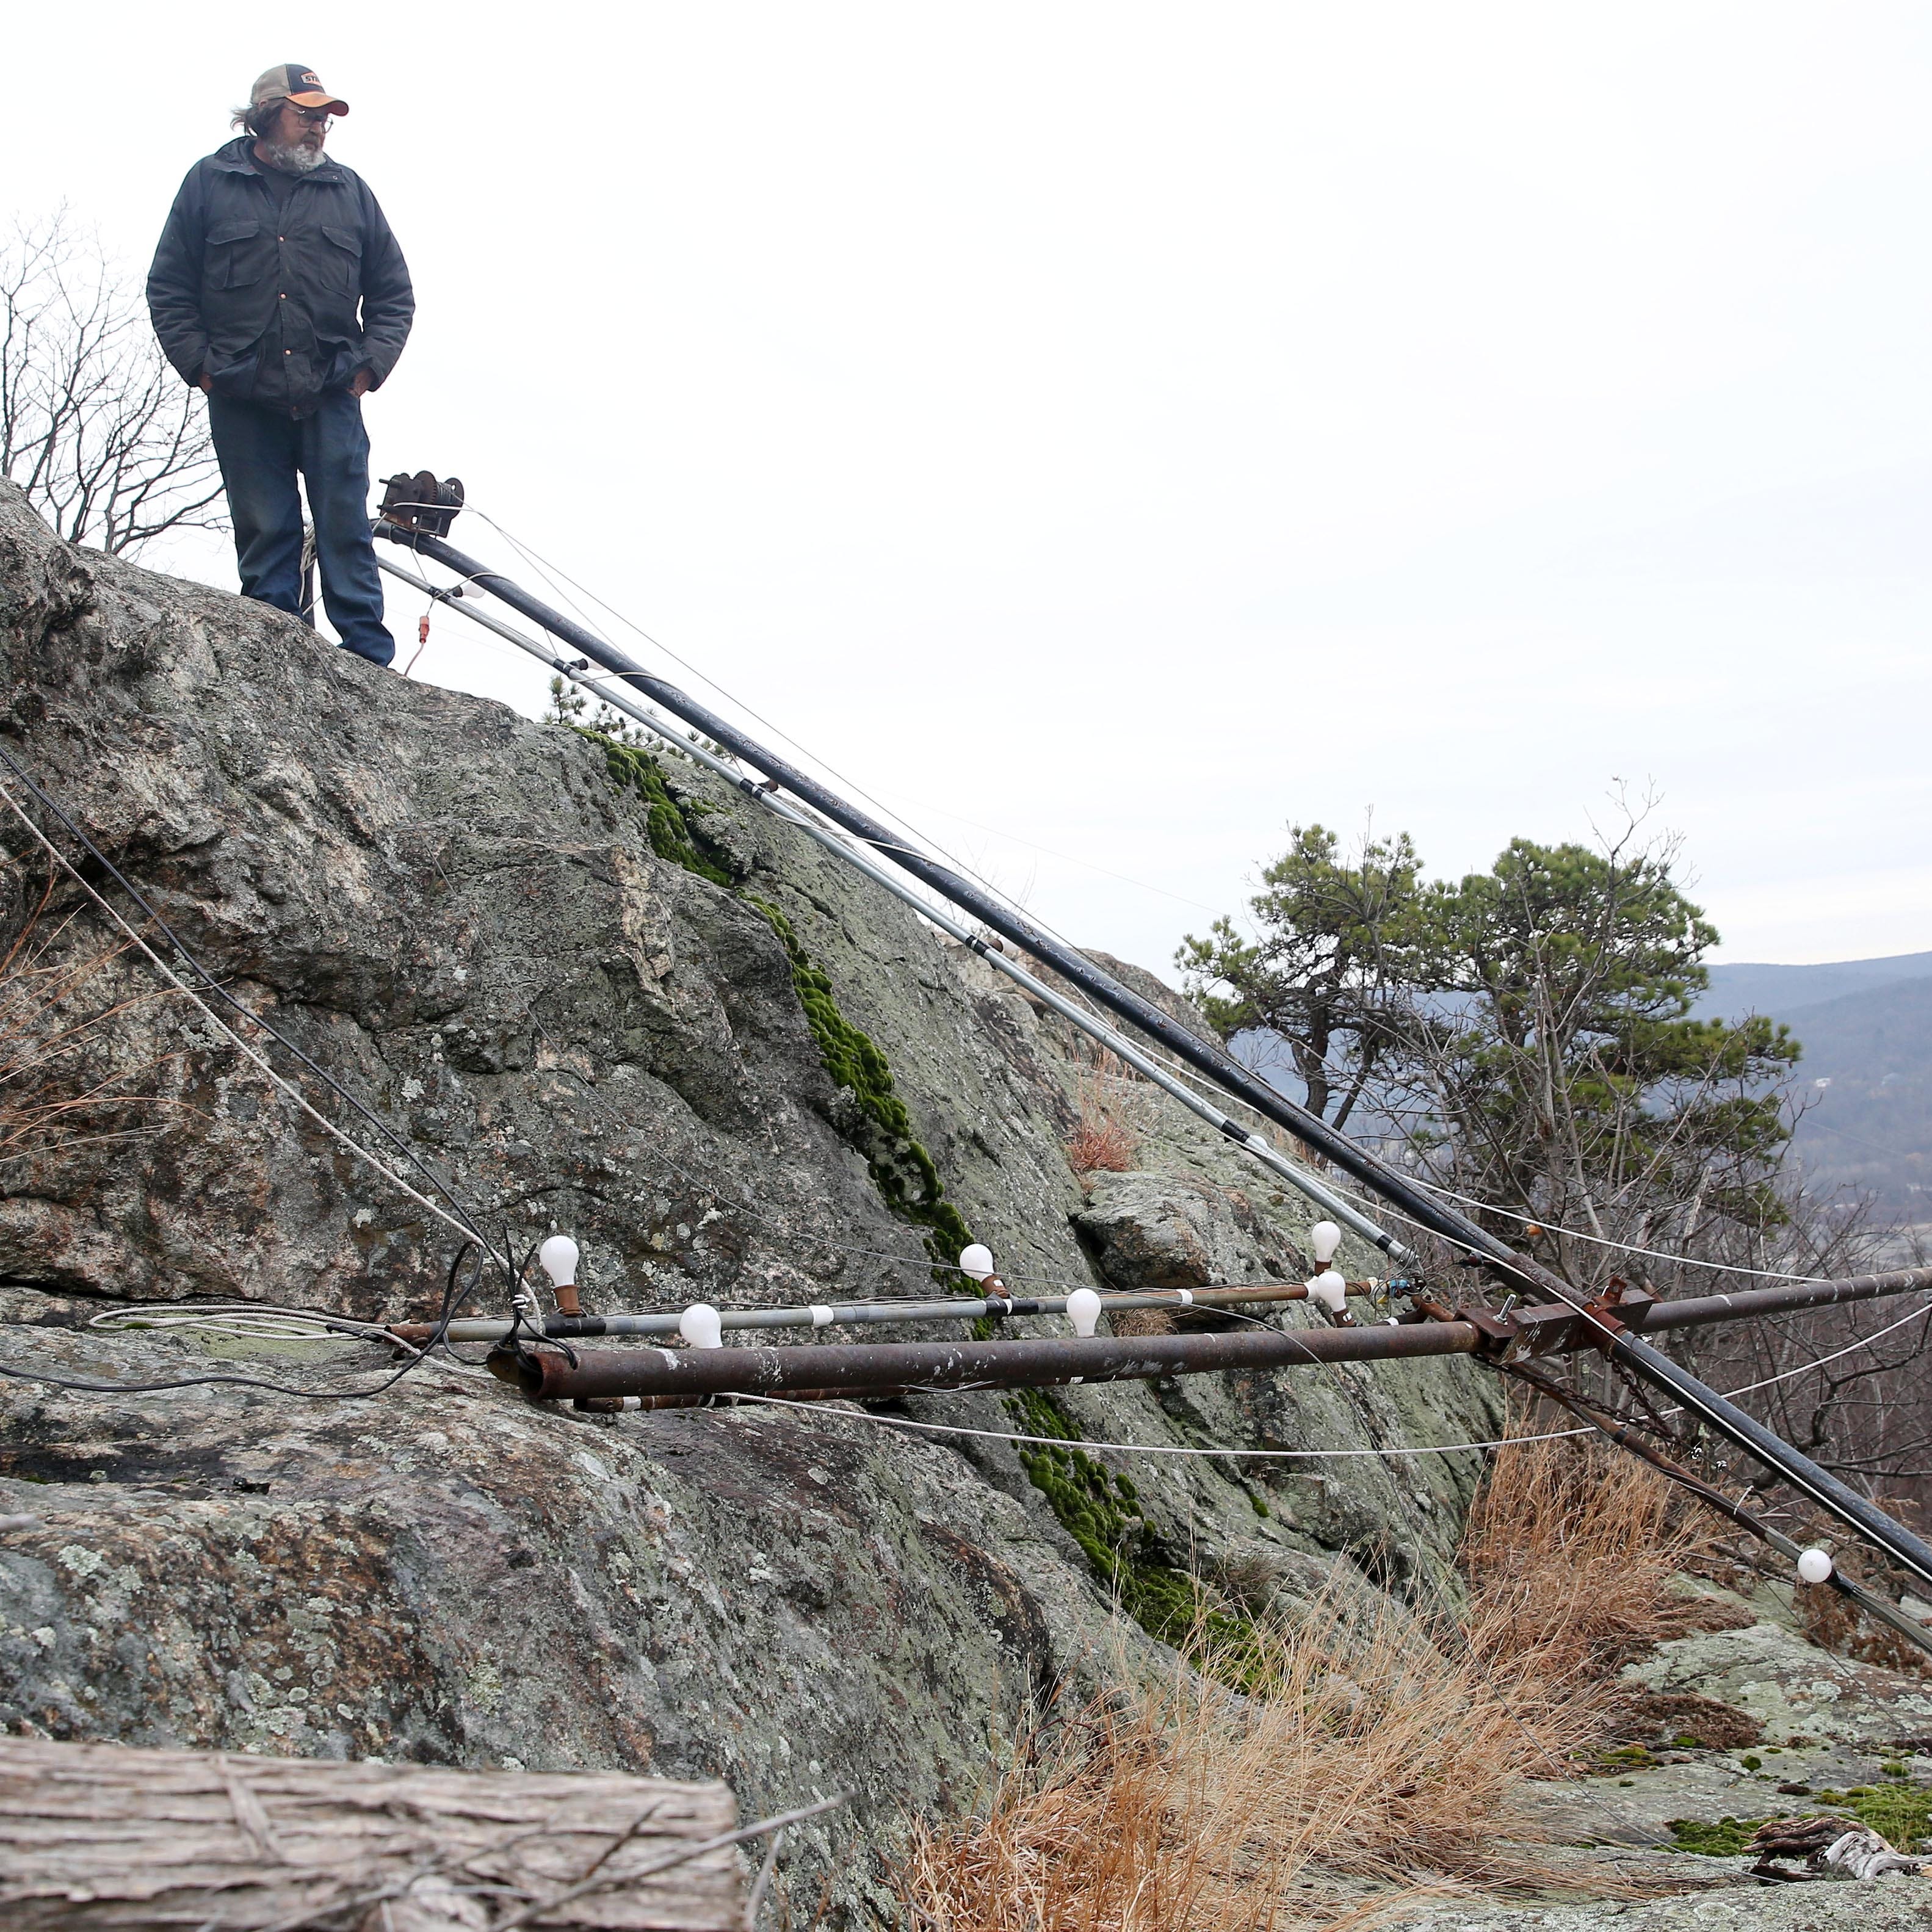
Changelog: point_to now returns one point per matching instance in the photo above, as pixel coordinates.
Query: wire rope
(282, 1084)
(552, 573)
(465, 1225)
(1154, 1448)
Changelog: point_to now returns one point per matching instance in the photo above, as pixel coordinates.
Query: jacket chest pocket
(341, 260)
(238, 253)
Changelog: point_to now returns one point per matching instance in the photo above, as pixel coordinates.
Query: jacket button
(285, 295)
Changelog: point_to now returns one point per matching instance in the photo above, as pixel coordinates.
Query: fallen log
(94, 1834)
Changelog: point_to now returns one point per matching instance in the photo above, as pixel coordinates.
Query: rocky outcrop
(588, 988)
(592, 991)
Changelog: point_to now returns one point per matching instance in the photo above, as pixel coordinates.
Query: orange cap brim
(313, 100)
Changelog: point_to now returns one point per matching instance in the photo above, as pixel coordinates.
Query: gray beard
(295, 160)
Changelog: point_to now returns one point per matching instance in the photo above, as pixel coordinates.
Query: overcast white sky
(1129, 428)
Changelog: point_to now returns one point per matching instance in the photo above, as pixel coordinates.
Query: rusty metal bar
(549, 1376)
(1791, 1298)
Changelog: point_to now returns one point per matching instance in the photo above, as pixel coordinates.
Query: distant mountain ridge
(1865, 1026)
(1778, 990)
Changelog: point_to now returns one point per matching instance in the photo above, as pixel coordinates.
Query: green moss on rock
(902, 1170)
(668, 822)
(1102, 1512)
(1727, 1838)
(1901, 1814)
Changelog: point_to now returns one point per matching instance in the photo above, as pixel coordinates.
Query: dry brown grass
(1102, 1146)
(63, 1079)
(1569, 1552)
(1369, 1760)
(1111, 1102)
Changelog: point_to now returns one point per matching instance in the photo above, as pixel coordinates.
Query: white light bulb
(976, 1261)
(1814, 1566)
(700, 1325)
(1083, 1310)
(1325, 1238)
(1330, 1291)
(559, 1257)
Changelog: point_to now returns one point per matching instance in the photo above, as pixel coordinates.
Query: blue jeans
(261, 450)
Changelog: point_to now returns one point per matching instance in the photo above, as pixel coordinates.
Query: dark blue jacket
(235, 285)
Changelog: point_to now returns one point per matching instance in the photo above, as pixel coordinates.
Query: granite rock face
(600, 994)
(562, 985)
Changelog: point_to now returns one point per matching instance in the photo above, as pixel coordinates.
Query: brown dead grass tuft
(1569, 1552)
(1369, 1760)
(1111, 1103)
(1100, 1146)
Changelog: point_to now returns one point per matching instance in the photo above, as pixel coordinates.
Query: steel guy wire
(466, 1225)
(284, 1085)
(1186, 1076)
(866, 862)
(1152, 1448)
(551, 572)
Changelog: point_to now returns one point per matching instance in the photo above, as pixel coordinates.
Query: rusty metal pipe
(548, 1376)
(1790, 1297)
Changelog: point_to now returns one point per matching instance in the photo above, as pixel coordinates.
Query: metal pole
(1408, 1196)
(575, 1327)
(549, 1375)
(1700, 1311)
(1217, 1064)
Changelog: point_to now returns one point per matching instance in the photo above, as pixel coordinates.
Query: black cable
(450, 1298)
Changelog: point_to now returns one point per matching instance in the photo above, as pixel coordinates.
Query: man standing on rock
(268, 251)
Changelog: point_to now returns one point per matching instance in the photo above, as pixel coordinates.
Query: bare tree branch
(110, 446)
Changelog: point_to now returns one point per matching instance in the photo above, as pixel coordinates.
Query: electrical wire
(465, 1225)
(1152, 1448)
(256, 1321)
(922, 845)
(417, 1356)
(541, 564)
(1622, 1247)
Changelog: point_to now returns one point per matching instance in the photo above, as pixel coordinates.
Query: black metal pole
(1218, 1066)
(1101, 986)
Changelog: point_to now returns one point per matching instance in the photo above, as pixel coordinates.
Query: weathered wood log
(103, 1835)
